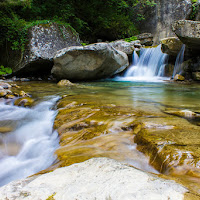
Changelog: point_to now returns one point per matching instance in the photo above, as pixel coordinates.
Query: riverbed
(151, 126)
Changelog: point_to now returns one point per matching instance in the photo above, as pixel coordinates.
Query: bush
(5, 70)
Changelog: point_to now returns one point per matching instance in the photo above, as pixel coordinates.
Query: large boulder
(171, 46)
(158, 19)
(90, 62)
(188, 32)
(97, 178)
(44, 40)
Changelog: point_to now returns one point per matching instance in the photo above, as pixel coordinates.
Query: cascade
(179, 61)
(149, 66)
(29, 148)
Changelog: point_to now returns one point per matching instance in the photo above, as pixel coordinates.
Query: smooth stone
(179, 77)
(5, 85)
(65, 82)
(25, 101)
(92, 62)
(23, 94)
(97, 178)
(5, 129)
(9, 96)
(3, 93)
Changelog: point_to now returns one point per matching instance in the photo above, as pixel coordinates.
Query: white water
(179, 61)
(30, 147)
(150, 66)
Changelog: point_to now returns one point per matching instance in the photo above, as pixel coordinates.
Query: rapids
(29, 147)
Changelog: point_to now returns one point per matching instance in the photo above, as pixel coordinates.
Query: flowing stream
(29, 147)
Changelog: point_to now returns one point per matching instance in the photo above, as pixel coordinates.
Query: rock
(3, 93)
(15, 85)
(5, 129)
(179, 77)
(126, 47)
(158, 18)
(10, 96)
(196, 76)
(97, 178)
(90, 62)
(188, 32)
(25, 101)
(65, 82)
(44, 40)
(171, 46)
(5, 85)
(23, 94)
(145, 39)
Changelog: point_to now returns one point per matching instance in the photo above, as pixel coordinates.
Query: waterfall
(29, 147)
(135, 58)
(150, 66)
(179, 61)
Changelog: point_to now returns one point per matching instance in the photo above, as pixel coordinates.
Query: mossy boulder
(44, 40)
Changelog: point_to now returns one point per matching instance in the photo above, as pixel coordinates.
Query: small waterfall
(149, 66)
(135, 58)
(179, 61)
(30, 147)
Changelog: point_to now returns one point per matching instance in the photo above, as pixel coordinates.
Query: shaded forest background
(92, 19)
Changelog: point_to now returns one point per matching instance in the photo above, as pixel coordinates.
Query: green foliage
(5, 70)
(84, 44)
(195, 9)
(92, 19)
(133, 38)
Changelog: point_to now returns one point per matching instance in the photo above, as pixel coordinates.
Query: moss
(51, 197)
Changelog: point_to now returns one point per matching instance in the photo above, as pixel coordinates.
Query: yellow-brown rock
(5, 129)
(23, 94)
(88, 128)
(65, 82)
(179, 77)
(3, 93)
(25, 101)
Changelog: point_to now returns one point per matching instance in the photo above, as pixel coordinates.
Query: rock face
(145, 39)
(126, 47)
(188, 32)
(90, 62)
(97, 178)
(44, 41)
(171, 46)
(159, 18)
